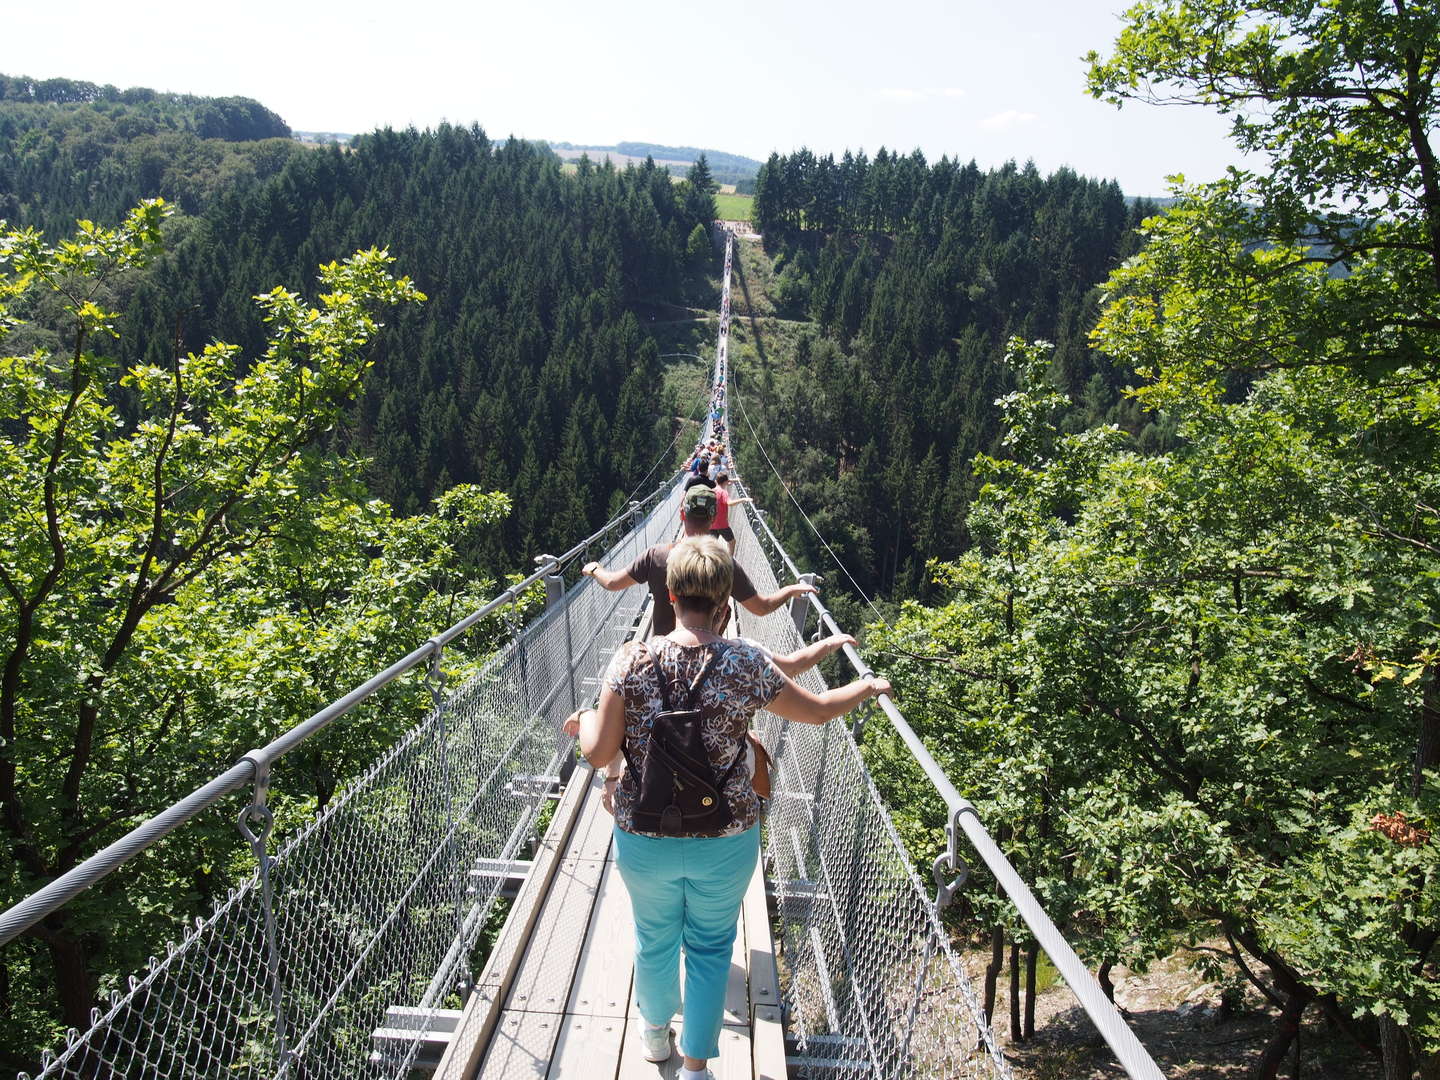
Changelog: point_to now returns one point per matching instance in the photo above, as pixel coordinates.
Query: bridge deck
(555, 1000)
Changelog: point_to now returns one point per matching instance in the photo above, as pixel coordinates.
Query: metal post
(555, 594)
(435, 683)
(800, 606)
(258, 814)
(857, 722)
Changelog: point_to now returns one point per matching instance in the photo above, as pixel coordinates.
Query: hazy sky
(990, 80)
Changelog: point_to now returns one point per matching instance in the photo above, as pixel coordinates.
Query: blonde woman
(686, 888)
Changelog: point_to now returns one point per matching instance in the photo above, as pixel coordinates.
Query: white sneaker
(656, 1041)
(686, 1074)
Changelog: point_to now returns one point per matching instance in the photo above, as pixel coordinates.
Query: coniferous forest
(908, 278)
(1146, 500)
(280, 512)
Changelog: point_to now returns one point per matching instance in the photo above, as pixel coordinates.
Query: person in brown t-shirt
(697, 513)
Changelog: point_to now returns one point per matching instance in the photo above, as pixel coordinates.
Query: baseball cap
(699, 503)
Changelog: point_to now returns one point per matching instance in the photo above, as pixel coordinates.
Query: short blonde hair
(700, 571)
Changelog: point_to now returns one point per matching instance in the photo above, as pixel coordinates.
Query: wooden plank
(633, 1065)
(589, 1047)
(520, 1048)
(607, 959)
(472, 1035)
(592, 836)
(767, 1038)
(509, 947)
(733, 1062)
(482, 1009)
(760, 945)
(542, 982)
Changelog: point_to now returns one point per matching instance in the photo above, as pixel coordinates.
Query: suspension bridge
(358, 947)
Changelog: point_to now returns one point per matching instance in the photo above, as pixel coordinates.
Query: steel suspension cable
(831, 551)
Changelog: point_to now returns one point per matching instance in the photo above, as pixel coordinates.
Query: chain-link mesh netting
(375, 908)
(871, 986)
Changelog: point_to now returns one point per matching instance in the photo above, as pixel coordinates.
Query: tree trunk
(1362, 1034)
(1288, 1027)
(1427, 743)
(75, 987)
(1032, 957)
(1017, 1033)
(1395, 1050)
(1103, 977)
(992, 971)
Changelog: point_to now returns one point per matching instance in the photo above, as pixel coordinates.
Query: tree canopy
(1198, 688)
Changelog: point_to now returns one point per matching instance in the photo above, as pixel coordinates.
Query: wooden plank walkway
(555, 999)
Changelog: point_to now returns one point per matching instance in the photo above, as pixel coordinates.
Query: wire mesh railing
(367, 919)
(964, 825)
(870, 983)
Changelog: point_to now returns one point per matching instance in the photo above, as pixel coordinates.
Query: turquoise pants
(686, 891)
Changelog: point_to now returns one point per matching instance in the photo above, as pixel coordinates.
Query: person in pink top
(723, 501)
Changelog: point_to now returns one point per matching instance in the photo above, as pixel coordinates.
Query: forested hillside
(528, 371)
(71, 149)
(196, 558)
(887, 291)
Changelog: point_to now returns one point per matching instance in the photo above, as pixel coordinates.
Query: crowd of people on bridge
(688, 785)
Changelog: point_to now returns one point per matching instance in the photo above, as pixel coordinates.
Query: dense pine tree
(913, 276)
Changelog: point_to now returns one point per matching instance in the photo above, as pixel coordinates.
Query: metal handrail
(15, 920)
(964, 818)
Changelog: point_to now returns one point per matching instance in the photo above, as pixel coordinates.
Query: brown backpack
(677, 792)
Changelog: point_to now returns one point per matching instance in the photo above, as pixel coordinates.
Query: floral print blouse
(741, 682)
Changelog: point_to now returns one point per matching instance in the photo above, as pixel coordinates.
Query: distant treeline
(238, 119)
(71, 149)
(724, 168)
(914, 275)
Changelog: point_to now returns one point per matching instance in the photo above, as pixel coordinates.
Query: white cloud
(910, 95)
(1010, 118)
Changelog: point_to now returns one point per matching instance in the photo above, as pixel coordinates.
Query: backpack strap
(664, 684)
(660, 679)
(710, 658)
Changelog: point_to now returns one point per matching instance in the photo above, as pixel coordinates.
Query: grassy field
(734, 207)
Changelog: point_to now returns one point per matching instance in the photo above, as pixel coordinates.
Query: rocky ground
(1180, 1018)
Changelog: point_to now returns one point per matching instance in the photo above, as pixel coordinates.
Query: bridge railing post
(800, 606)
(255, 824)
(435, 684)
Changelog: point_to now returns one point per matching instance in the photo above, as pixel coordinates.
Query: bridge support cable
(848, 896)
(361, 921)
